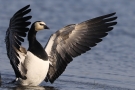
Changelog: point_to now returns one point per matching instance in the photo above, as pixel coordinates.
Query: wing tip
(115, 17)
(23, 9)
(29, 10)
(27, 6)
(109, 15)
(115, 23)
(52, 81)
(113, 13)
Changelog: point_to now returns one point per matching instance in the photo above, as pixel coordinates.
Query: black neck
(34, 46)
(32, 37)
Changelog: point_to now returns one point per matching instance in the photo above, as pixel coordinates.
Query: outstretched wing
(73, 40)
(14, 36)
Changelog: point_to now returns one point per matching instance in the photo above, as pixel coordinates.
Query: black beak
(45, 27)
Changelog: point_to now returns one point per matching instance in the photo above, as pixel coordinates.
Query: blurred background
(108, 66)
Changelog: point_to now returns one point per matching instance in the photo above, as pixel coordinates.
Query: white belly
(36, 70)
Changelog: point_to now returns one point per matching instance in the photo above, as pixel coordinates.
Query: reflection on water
(6, 83)
(108, 66)
(58, 85)
(32, 88)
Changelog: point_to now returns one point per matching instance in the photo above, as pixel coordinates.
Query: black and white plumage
(36, 64)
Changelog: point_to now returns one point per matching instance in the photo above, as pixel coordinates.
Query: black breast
(38, 50)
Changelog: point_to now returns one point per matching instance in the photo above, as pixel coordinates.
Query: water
(108, 66)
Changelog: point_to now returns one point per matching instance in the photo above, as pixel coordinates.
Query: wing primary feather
(14, 37)
(21, 10)
(19, 15)
(22, 20)
(109, 19)
(20, 38)
(106, 16)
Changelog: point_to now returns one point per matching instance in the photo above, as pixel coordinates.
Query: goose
(37, 63)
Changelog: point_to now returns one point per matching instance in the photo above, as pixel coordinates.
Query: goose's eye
(41, 24)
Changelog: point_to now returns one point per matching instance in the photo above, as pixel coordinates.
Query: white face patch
(39, 26)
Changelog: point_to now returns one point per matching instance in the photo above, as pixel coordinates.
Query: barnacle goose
(38, 63)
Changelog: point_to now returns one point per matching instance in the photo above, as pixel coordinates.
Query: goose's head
(40, 25)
